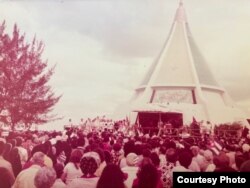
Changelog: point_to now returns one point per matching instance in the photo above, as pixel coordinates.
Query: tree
(24, 90)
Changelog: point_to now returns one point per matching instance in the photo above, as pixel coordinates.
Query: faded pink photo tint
(124, 94)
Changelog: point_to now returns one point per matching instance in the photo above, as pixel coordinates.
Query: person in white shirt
(89, 164)
(26, 178)
(131, 169)
(45, 177)
(197, 157)
(72, 169)
(185, 159)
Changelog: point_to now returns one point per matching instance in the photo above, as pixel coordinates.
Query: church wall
(214, 98)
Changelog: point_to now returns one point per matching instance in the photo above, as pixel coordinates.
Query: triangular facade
(180, 81)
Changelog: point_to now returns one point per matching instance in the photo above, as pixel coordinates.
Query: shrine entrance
(150, 122)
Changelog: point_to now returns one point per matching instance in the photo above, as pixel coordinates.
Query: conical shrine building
(179, 86)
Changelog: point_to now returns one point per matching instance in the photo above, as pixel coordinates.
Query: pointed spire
(180, 13)
(181, 3)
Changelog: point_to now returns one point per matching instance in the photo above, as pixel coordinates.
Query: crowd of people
(110, 158)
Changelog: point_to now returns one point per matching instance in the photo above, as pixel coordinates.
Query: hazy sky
(102, 48)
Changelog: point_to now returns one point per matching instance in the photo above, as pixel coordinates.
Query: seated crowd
(110, 159)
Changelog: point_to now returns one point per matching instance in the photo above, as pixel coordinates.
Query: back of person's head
(76, 156)
(155, 159)
(163, 150)
(245, 148)
(129, 147)
(37, 148)
(117, 147)
(208, 155)
(112, 142)
(106, 139)
(58, 167)
(171, 155)
(89, 163)
(195, 150)
(138, 149)
(221, 160)
(171, 144)
(111, 177)
(59, 147)
(2, 147)
(148, 176)
(19, 141)
(185, 158)
(145, 161)
(146, 152)
(45, 177)
(38, 158)
(5, 178)
(132, 159)
(81, 141)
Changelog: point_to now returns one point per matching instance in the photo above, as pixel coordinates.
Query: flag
(93, 120)
(215, 148)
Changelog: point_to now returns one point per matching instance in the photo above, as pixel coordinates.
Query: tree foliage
(24, 93)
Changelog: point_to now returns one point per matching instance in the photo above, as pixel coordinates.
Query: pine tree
(24, 90)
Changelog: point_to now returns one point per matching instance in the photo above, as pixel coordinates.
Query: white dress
(72, 172)
(83, 182)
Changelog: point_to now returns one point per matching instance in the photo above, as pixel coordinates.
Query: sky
(102, 48)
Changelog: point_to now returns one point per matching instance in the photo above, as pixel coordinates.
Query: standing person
(59, 171)
(15, 160)
(131, 169)
(26, 178)
(147, 177)
(6, 153)
(5, 164)
(222, 162)
(185, 159)
(45, 177)
(6, 180)
(72, 169)
(112, 177)
(208, 161)
(116, 153)
(167, 167)
(23, 153)
(89, 164)
(162, 155)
